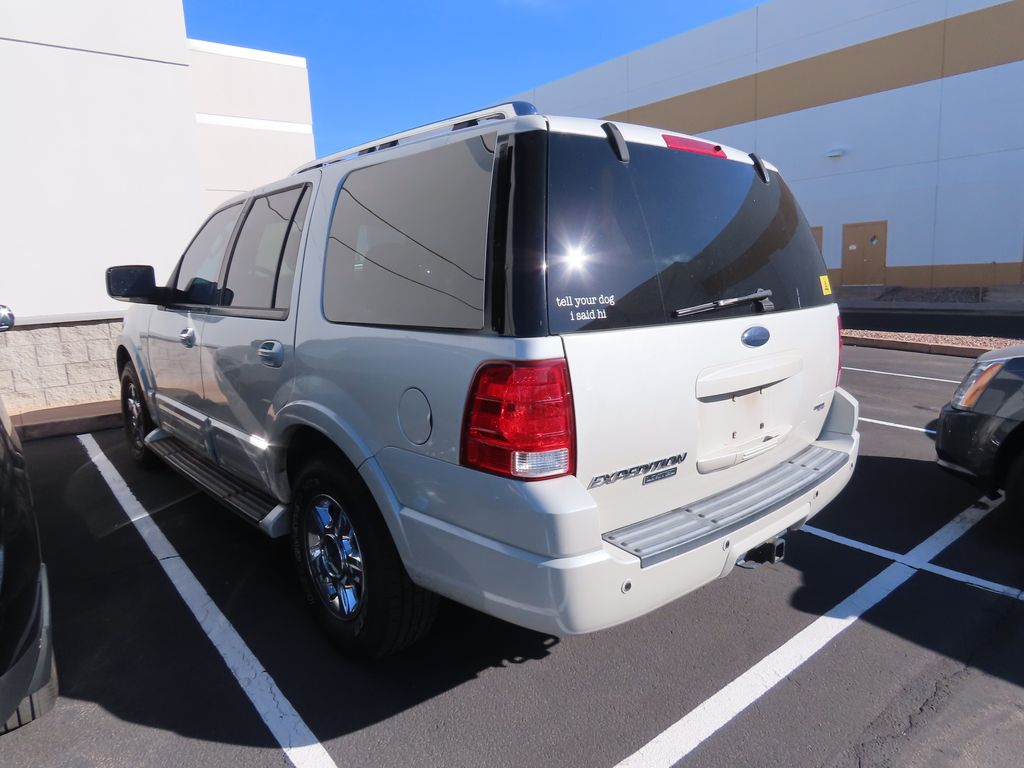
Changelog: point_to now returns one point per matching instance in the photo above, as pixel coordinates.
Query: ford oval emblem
(755, 337)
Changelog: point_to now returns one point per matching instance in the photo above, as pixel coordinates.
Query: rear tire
(350, 570)
(137, 423)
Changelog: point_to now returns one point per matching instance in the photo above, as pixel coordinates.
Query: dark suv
(981, 430)
(28, 676)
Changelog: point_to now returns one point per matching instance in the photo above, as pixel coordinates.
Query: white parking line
(296, 739)
(918, 564)
(925, 430)
(681, 738)
(902, 375)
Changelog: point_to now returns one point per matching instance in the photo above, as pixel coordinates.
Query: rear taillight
(687, 144)
(839, 367)
(519, 420)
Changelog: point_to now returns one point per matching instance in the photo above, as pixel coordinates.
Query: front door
(174, 336)
(176, 331)
(249, 338)
(864, 253)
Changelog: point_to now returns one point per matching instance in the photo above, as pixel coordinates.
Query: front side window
(408, 240)
(259, 276)
(200, 266)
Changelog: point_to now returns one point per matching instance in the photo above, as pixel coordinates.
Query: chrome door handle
(271, 353)
(188, 337)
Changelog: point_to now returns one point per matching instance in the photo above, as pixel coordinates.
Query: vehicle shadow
(895, 504)
(126, 641)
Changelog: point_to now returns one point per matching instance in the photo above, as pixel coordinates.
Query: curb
(67, 420)
(915, 346)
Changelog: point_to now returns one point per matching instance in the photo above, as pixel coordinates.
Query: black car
(28, 675)
(980, 432)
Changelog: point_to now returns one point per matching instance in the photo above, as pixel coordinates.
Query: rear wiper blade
(762, 297)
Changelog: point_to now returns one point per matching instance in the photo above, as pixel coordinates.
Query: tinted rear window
(408, 240)
(627, 244)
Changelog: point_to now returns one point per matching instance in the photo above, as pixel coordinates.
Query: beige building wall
(117, 137)
(908, 114)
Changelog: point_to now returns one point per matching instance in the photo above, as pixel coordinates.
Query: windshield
(629, 243)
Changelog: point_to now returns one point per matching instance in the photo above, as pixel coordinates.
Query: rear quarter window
(629, 243)
(408, 240)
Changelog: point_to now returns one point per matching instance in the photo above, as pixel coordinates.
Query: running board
(254, 506)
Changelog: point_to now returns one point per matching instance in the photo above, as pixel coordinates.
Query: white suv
(560, 370)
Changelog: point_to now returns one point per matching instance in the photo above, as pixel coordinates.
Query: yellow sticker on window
(826, 286)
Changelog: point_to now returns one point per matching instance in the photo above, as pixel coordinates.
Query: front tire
(350, 570)
(137, 423)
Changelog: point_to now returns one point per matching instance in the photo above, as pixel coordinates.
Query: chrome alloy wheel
(133, 413)
(333, 556)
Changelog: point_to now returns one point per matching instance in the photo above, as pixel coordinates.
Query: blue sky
(377, 68)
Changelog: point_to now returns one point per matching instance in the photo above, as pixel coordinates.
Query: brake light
(839, 368)
(519, 420)
(687, 144)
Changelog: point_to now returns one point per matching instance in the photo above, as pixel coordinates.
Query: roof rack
(497, 112)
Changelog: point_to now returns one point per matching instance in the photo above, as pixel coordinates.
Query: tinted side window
(286, 273)
(252, 277)
(408, 240)
(203, 258)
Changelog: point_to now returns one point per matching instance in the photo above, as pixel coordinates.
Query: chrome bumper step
(254, 506)
(680, 530)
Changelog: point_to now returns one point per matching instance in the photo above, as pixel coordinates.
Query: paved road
(930, 675)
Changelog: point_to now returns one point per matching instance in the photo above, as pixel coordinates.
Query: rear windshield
(629, 243)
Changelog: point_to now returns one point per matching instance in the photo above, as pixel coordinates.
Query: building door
(864, 253)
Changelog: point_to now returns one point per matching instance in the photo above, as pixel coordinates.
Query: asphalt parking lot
(890, 635)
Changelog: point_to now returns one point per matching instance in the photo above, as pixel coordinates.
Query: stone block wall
(44, 366)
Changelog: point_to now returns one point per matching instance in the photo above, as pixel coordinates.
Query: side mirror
(201, 291)
(6, 318)
(132, 283)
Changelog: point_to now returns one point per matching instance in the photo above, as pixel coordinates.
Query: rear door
(249, 337)
(672, 409)
(176, 330)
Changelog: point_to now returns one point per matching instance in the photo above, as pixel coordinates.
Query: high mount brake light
(687, 144)
(519, 420)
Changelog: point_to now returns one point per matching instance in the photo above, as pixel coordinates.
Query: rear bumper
(606, 585)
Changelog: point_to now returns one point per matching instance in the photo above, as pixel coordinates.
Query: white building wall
(98, 147)
(253, 114)
(117, 136)
(770, 35)
(940, 160)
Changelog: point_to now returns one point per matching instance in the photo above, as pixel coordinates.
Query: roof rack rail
(497, 112)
